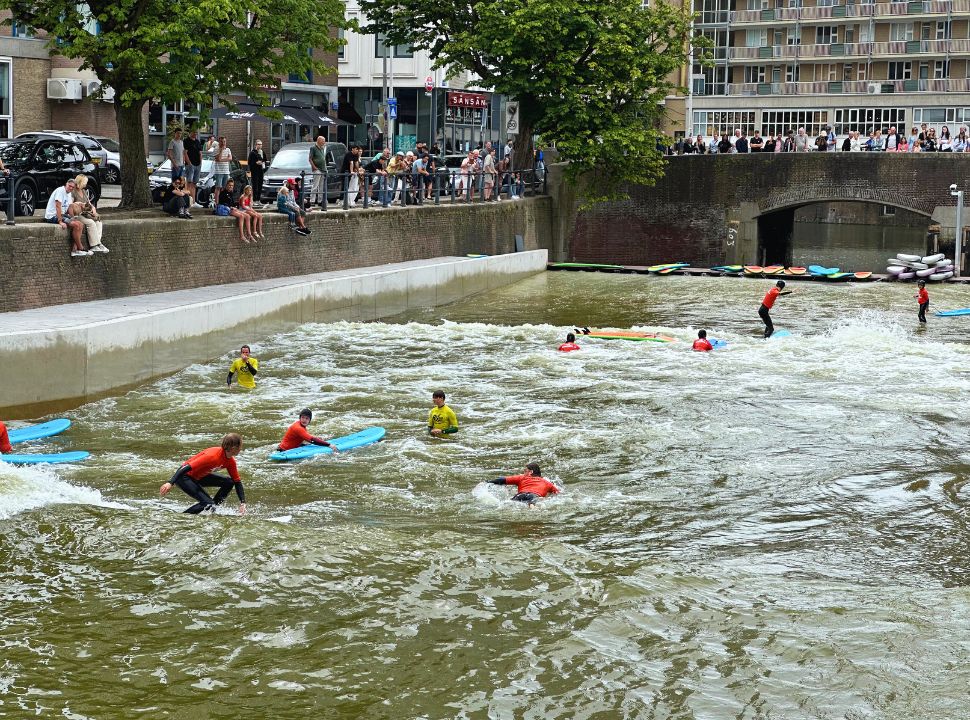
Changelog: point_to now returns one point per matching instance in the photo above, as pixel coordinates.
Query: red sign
(429, 83)
(467, 100)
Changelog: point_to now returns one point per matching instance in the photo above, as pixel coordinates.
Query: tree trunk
(131, 137)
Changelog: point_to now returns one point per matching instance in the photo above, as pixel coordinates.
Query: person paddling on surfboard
(530, 485)
(570, 344)
(923, 298)
(702, 344)
(442, 419)
(244, 368)
(196, 473)
(297, 434)
(768, 303)
(5, 447)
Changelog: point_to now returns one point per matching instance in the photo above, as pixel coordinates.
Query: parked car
(162, 177)
(293, 159)
(99, 155)
(111, 169)
(38, 166)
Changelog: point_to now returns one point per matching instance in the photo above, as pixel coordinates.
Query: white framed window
(888, 210)
(826, 35)
(792, 73)
(756, 38)
(795, 35)
(941, 69)
(783, 121)
(400, 51)
(943, 30)
(714, 123)
(342, 36)
(900, 31)
(900, 70)
(754, 73)
(6, 97)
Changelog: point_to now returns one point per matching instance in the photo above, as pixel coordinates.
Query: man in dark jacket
(257, 168)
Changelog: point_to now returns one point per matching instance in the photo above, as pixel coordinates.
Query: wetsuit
(443, 418)
(530, 487)
(196, 473)
(296, 435)
(703, 345)
(244, 370)
(569, 347)
(766, 305)
(923, 298)
(4, 440)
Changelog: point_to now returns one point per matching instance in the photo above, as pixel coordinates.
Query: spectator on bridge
(724, 146)
(821, 141)
(741, 143)
(930, 143)
(946, 142)
(176, 199)
(830, 139)
(893, 142)
(770, 145)
(924, 131)
(913, 141)
(960, 143)
(688, 146)
(756, 143)
(58, 213)
(700, 147)
(847, 143)
(878, 141)
(779, 143)
(734, 139)
(84, 211)
(289, 207)
(802, 141)
(256, 219)
(855, 143)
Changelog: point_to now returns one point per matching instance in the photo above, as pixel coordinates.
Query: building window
(792, 73)
(888, 210)
(6, 92)
(756, 38)
(775, 122)
(754, 74)
(304, 79)
(400, 51)
(943, 30)
(826, 35)
(900, 70)
(900, 31)
(941, 69)
(19, 30)
(714, 123)
(867, 120)
(795, 35)
(341, 35)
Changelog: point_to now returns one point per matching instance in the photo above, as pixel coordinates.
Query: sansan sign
(467, 100)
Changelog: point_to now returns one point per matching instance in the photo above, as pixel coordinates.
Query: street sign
(392, 108)
(428, 84)
(512, 118)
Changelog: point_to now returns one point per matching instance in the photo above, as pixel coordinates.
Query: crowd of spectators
(921, 139)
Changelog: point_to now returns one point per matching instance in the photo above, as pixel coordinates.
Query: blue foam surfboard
(819, 270)
(942, 313)
(368, 436)
(718, 344)
(780, 334)
(31, 459)
(36, 432)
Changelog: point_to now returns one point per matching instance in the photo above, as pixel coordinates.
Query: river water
(774, 530)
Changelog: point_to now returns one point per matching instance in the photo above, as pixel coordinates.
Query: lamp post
(958, 250)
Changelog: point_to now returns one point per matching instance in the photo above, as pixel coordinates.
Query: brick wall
(156, 254)
(687, 215)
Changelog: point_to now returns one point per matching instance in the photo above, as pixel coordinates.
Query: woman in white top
(946, 142)
(84, 211)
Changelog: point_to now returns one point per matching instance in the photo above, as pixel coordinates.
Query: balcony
(850, 87)
(876, 50)
(888, 10)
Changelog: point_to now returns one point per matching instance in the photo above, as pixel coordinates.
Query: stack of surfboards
(914, 267)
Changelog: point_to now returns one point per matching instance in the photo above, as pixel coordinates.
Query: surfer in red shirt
(196, 473)
(923, 298)
(4, 440)
(702, 344)
(570, 344)
(530, 485)
(297, 434)
(769, 303)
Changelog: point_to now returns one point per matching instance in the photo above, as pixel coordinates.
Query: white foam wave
(29, 488)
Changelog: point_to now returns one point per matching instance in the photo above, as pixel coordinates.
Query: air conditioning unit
(63, 89)
(873, 88)
(94, 87)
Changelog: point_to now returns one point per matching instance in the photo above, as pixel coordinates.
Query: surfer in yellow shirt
(442, 419)
(244, 368)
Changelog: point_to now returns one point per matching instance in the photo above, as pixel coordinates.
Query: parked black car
(293, 159)
(162, 178)
(39, 166)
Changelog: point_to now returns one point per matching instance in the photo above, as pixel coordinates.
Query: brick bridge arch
(705, 209)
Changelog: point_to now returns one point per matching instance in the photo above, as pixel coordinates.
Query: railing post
(326, 191)
(453, 183)
(345, 185)
(11, 199)
(437, 187)
(300, 200)
(366, 189)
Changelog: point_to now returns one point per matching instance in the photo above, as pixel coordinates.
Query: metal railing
(845, 10)
(851, 87)
(409, 189)
(849, 50)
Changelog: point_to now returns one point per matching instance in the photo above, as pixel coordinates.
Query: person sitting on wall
(176, 200)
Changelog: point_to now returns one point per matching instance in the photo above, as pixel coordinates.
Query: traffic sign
(392, 108)
(428, 84)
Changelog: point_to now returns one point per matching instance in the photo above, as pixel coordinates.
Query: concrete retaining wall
(65, 354)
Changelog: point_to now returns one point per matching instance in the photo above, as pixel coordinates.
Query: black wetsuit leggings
(766, 318)
(193, 488)
(526, 497)
(922, 311)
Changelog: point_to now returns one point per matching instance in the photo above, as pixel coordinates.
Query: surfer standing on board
(923, 298)
(4, 439)
(244, 368)
(768, 303)
(196, 473)
(442, 419)
(297, 434)
(530, 485)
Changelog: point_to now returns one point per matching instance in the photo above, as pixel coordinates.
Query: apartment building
(783, 64)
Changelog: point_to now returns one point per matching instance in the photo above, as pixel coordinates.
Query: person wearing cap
(923, 298)
(768, 303)
(286, 204)
(297, 434)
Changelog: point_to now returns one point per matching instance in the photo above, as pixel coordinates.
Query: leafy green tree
(171, 50)
(589, 74)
